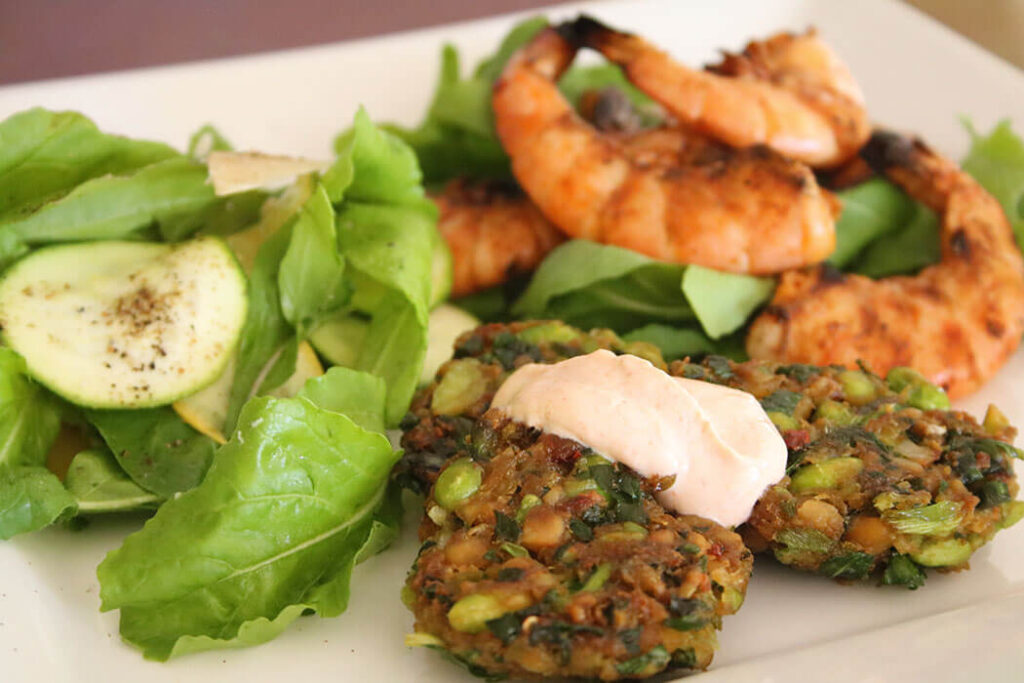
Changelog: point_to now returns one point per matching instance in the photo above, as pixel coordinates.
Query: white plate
(917, 75)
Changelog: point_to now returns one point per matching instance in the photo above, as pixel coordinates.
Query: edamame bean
(459, 481)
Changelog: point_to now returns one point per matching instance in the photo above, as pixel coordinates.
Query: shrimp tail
(586, 31)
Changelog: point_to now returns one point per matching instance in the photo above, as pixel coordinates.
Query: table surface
(53, 38)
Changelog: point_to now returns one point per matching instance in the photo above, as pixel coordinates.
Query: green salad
(227, 365)
(159, 356)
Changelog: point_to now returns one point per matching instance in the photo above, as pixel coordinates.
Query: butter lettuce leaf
(272, 531)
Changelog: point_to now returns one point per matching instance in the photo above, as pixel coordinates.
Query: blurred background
(53, 38)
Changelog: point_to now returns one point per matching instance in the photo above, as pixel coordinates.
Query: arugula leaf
(310, 278)
(273, 530)
(155, 448)
(29, 416)
(116, 207)
(359, 395)
(267, 339)
(387, 233)
(491, 67)
(45, 154)
(997, 162)
(31, 497)
(721, 301)
(457, 136)
(205, 140)
(98, 485)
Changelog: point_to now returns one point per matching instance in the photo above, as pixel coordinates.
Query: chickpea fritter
(883, 479)
(541, 558)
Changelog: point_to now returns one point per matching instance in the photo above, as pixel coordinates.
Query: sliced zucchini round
(125, 324)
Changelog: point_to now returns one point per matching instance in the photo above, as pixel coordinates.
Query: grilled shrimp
(494, 232)
(702, 204)
(956, 321)
(790, 92)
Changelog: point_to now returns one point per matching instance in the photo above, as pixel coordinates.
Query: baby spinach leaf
(674, 342)
(906, 250)
(721, 301)
(98, 485)
(273, 530)
(870, 210)
(996, 161)
(578, 265)
(155, 448)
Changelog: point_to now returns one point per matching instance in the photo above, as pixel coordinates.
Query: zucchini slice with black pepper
(125, 324)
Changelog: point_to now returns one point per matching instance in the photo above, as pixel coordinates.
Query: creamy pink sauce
(717, 441)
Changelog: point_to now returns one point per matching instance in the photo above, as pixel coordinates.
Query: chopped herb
(781, 401)
(993, 493)
(649, 662)
(689, 622)
(560, 634)
(902, 571)
(630, 512)
(508, 574)
(720, 366)
(514, 550)
(684, 658)
(850, 566)
(798, 371)
(471, 346)
(689, 548)
(506, 627)
(630, 638)
(505, 527)
(580, 530)
(692, 371)
(492, 556)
